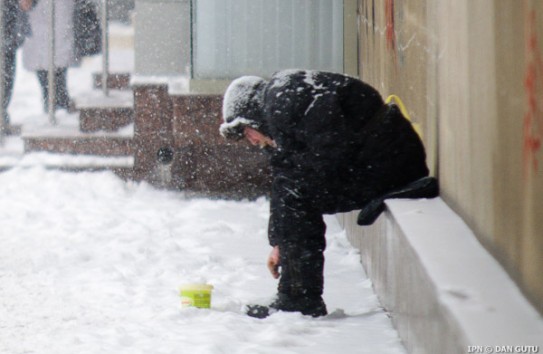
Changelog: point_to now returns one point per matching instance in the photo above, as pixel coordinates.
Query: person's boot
(44, 85)
(313, 306)
(63, 100)
(426, 187)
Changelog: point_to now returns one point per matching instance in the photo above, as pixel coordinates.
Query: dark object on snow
(426, 187)
(309, 306)
(88, 33)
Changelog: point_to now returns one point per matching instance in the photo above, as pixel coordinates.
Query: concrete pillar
(162, 51)
(162, 47)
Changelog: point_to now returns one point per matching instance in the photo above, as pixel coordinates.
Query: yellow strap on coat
(401, 106)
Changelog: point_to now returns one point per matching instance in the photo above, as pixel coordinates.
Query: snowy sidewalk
(91, 264)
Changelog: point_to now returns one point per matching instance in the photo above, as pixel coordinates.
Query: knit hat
(243, 107)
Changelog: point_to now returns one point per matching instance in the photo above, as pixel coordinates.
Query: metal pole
(192, 16)
(3, 126)
(51, 76)
(105, 48)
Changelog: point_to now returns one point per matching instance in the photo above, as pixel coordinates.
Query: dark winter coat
(87, 29)
(16, 25)
(339, 146)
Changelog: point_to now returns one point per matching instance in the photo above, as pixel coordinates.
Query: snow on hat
(242, 107)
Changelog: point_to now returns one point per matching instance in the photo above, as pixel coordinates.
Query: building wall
(206, 163)
(470, 74)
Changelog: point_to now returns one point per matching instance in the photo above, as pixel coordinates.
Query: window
(232, 38)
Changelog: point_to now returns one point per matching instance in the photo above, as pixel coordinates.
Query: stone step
(68, 141)
(122, 166)
(105, 113)
(106, 119)
(115, 81)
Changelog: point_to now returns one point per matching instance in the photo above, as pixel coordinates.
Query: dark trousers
(9, 79)
(302, 240)
(62, 100)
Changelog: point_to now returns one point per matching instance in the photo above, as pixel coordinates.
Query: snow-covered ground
(92, 264)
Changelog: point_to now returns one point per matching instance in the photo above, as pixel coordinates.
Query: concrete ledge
(445, 293)
(108, 119)
(87, 144)
(96, 99)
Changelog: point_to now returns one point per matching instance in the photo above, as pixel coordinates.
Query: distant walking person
(36, 48)
(15, 28)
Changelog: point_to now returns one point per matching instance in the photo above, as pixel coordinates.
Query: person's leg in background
(44, 85)
(62, 99)
(9, 80)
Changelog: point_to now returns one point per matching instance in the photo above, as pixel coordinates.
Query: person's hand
(273, 262)
(257, 138)
(25, 5)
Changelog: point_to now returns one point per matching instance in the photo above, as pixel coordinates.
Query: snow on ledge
(97, 99)
(144, 80)
(470, 283)
(66, 160)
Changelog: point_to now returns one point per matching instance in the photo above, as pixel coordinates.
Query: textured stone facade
(205, 161)
(177, 145)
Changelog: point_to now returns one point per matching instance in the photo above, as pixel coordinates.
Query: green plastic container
(196, 295)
